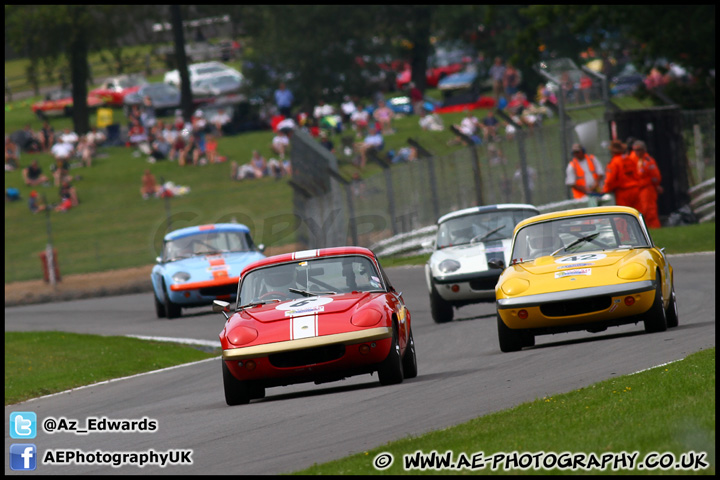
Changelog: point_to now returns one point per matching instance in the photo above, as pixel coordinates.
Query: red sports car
(314, 316)
(439, 65)
(61, 102)
(114, 89)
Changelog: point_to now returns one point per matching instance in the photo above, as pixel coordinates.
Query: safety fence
(396, 210)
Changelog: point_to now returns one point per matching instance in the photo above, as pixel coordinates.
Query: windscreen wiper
(587, 238)
(305, 293)
(255, 304)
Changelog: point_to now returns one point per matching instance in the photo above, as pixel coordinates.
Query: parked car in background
(445, 61)
(201, 264)
(626, 82)
(465, 86)
(114, 90)
(458, 271)
(583, 269)
(314, 316)
(60, 102)
(222, 84)
(404, 106)
(198, 71)
(164, 97)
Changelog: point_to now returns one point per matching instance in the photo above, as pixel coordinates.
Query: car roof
(577, 212)
(216, 227)
(487, 208)
(310, 254)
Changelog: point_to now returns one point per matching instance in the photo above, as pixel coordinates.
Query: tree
(56, 30)
(186, 100)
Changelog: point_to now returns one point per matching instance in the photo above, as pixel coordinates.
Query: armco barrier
(702, 200)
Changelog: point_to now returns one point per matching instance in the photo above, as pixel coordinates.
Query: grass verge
(670, 408)
(74, 360)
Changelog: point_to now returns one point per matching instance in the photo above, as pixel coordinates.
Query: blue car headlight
(448, 266)
(180, 277)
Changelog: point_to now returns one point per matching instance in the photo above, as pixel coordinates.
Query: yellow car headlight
(632, 271)
(515, 286)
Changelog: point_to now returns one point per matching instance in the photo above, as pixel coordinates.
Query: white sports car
(457, 272)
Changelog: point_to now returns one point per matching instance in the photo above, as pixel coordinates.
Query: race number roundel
(305, 305)
(581, 257)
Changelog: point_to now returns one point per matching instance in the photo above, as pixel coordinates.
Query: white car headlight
(180, 277)
(448, 266)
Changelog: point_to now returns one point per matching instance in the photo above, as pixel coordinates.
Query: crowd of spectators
(69, 151)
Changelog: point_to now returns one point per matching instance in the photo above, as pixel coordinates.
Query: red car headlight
(241, 335)
(366, 318)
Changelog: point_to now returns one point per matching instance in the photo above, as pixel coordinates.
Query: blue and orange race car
(201, 264)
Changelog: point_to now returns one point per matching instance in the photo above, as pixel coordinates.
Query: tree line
(317, 46)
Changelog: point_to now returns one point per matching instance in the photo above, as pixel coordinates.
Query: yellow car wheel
(655, 320)
(510, 340)
(671, 314)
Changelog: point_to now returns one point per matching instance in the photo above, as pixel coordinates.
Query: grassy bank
(668, 409)
(76, 360)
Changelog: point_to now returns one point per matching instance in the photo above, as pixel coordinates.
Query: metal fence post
(477, 176)
(387, 171)
(523, 165)
(49, 257)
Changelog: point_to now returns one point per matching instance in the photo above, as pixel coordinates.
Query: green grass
(686, 238)
(40, 363)
(670, 408)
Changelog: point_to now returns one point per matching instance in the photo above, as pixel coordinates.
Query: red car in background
(314, 316)
(440, 65)
(60, 102)
(114, 89)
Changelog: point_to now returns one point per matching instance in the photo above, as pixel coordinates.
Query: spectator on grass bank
(259, 165)
(47, 136)
(35, 204)
(469, 126)
(12, 155)
(416, 98)
(348, 108)
(430, 121)
(241, 172)
(284, 100)
(149, 187)
(68, 197)
(489, 126)
(384, 116)
(511, 80)
(33, 176)
(280, 144)
(497, 74)
(326, 142)
(220, 119)
(68, 136)
(374, 141)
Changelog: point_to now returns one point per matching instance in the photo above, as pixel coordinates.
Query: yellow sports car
(584, 269)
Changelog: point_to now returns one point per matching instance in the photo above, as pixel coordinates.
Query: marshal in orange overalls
(622, 177)
(649, 179)
(580, 175)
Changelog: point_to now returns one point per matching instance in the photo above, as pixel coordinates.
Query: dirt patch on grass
(72, 287)
(88, 285)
